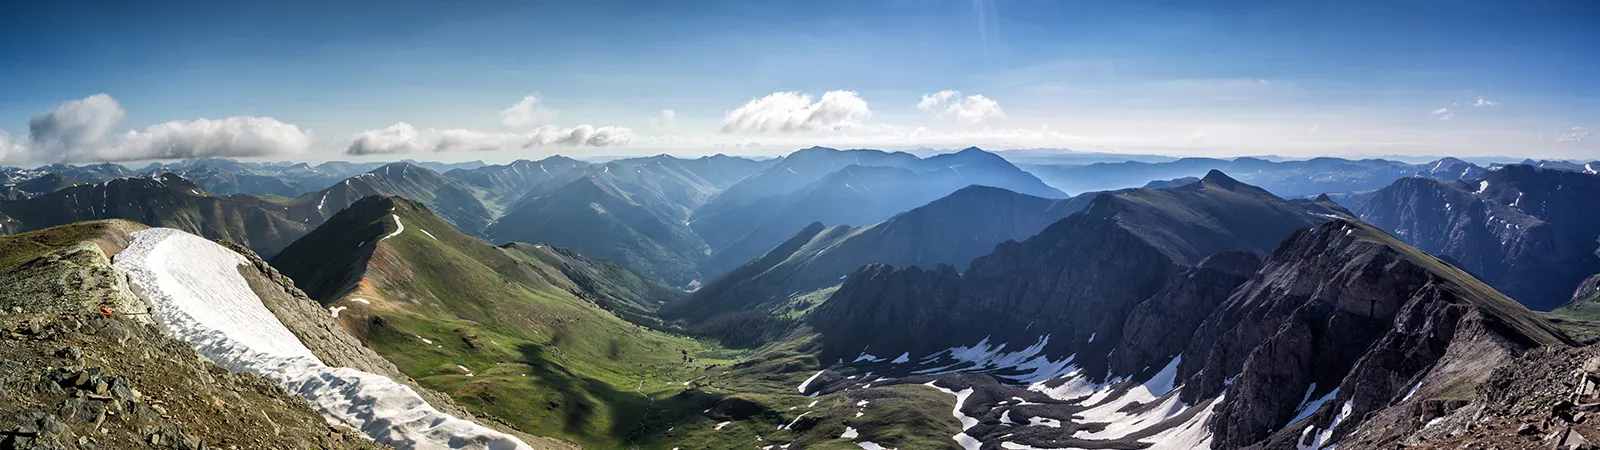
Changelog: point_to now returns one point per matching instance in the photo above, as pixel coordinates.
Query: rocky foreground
(80, 367)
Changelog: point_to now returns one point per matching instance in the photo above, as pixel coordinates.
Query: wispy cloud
(1441, 114)
(1575, 134)
(1482, 102)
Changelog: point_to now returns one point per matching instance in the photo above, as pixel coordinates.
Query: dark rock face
(1161, 327)
(1342, 305)
(1526, 231)
(1078, 279)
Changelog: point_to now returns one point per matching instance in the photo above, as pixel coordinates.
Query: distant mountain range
(860, 298)
(1290, 178)
(952, 230)
(1529, 232)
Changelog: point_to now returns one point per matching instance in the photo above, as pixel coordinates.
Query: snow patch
(966, 442)
(902, 359)
(335, 310)
(1311, 407)
(429, 234)
(850, 433)
(809, 380)
(1319, 439)
(196, 292)
(1482, 186)
(399, 227)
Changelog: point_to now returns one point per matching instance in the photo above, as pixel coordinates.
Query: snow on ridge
(399, 227)
(196, 292)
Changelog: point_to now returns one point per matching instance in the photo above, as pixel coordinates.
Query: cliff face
(1344, 306)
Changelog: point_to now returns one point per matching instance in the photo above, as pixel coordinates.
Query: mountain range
(843, 298)
(1529, 232)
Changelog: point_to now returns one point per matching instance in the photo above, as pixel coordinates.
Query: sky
(459, 80)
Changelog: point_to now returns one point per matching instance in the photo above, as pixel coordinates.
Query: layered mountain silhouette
(167, 201)
(633, 211)
(952, 230)
(1295, 178)
(792, 195)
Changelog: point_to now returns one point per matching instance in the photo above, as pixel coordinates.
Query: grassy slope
(542, 359)
(110, 235)
(1470, 288)
(1580, 317)
(548, 362)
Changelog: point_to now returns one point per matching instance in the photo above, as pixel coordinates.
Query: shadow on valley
(634, 417)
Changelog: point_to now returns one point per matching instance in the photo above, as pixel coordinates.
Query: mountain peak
(1217, 178)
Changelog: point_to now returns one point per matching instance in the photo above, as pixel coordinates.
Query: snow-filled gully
(196, 292)
(1163, 423)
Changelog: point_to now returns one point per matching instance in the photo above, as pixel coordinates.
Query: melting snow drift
(196, 292)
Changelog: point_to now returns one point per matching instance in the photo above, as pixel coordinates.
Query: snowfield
(196, 292)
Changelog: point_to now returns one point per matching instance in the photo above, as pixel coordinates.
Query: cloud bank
(524, 122)
(84, 130)
(787, 112)
(77, 123)
(971, 109)
(232, 136)
(403, 138)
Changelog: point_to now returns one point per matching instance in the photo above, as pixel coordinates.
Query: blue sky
(1217, 78)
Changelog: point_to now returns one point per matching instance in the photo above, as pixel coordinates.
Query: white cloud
(784, 112)
(232, 136)
(1575, 134)
(84, 122)
(525, 114)
(969, 109)
(1482, 102)
(403, 138)
(579, 136)
(1441, 114)
(10, 147)
(83, 131)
